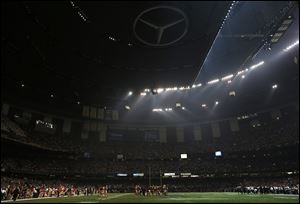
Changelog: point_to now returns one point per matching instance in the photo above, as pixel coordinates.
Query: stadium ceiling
(106, 48)
(95, 52)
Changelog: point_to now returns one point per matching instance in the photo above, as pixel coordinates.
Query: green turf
(175, 198)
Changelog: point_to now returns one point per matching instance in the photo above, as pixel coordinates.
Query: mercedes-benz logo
(180, 19)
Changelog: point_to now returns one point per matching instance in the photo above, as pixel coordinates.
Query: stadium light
(22, 85)
(183, 156)
(213, 81)
(217, 102)
(51, 95)
(127, 107)
(157, 110)
(232, 93)
(291, 46)
(227, 77)
(229, 81)
(274, 86)
(218, 153)
(129, 93)
(78, 102)
(243, 76)
(183, 108)
(159, 90)
(199, 84)
(143, 94)
(203, 105)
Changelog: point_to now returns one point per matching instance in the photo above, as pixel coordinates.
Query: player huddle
(103, 191)
(151, 190)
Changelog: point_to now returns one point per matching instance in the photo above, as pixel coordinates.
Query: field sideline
(211, 197)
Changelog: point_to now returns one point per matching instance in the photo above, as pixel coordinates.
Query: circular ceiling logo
(160, 26)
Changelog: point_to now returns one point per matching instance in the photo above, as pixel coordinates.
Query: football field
(210, 197)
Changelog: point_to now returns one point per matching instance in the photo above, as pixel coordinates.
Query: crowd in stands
(271, 147)
(267, 148)
(275, 133)
(264, 162)
(12, 130)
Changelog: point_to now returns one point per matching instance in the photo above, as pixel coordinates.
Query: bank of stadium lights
(291, 46)
(240, 72)
(203, 105)
(213, 81)
(143, 94)
(257, 65)
(227, 77)
(274, 86)
(172, 89)
(196, 85)
(112, 38)
(184, 88)
(83, 18)
(228, 13)
(129, 93)
(72, 3)
(161, 110)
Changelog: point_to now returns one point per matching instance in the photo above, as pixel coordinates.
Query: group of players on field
(151, 190)
(103, 191)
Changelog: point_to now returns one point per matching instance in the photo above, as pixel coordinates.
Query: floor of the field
(211, 197)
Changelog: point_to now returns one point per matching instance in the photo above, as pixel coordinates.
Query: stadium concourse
(150, 102)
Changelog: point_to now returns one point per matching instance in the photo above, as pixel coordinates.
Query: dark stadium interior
(97, 93)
